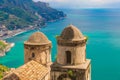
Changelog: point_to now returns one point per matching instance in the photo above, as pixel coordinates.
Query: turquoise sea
(102, 26)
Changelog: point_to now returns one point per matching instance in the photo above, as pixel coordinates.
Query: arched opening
(33, 55)
(68, 57)
(66, 77)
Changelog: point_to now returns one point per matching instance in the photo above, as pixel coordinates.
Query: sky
(83, 3)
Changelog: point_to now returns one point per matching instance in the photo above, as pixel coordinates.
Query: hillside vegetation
(2, 70)
(2, 45)
(15, 14)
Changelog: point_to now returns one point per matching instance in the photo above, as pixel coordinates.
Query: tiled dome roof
(71, 33)
(38, 38)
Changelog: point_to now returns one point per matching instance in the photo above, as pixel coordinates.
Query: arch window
(68, 57)
(33, 55)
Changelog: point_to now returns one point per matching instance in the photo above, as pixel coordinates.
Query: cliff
(5, 47)
(18, 14)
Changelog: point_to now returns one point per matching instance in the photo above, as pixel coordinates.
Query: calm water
(103, 47)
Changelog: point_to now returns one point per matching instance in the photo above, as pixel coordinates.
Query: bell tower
(71, 62)
(38, 48)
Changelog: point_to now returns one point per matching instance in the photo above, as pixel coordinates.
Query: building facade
(37, 57)
(38, 48)
(70, 64)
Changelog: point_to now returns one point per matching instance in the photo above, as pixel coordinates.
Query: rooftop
(30, 71)
(71, 33)
(38, 38)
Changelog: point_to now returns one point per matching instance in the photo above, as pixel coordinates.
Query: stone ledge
(80, 66)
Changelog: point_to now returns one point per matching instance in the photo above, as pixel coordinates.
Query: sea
(101, 26)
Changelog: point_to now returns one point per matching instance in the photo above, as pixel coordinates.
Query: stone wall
(88, 73)
(41, 54)
(68, 74)
(78, 54)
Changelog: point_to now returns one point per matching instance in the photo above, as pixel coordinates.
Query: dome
(71, 33)
(38, 38)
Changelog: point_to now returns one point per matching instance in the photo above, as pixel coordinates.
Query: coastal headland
(23, 15)
(5, 47)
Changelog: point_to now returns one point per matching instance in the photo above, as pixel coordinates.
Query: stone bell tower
(71, 62)
(38, 48)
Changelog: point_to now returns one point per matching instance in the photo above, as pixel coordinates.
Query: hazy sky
(83, 3)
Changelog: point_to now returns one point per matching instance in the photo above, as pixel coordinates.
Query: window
(68, 57)
(33, 55)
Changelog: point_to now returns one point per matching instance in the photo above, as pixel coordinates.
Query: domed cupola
(71, 35)
(38, 48)
(71, 46)
(38, 38)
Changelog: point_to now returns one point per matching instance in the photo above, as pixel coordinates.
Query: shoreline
(20, 31)
(15, 33)
(10, 34)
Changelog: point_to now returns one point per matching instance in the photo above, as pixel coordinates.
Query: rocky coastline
(5, 47)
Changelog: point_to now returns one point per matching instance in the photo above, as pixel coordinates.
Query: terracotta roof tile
(30, 71)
